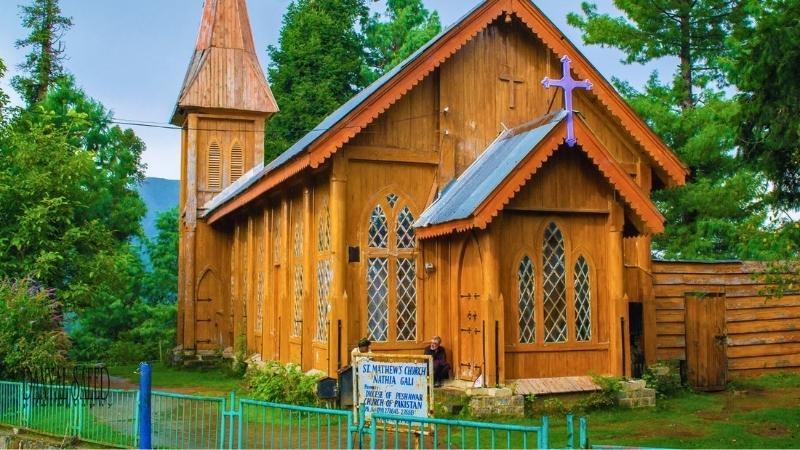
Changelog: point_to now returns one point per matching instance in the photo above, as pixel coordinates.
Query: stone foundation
(486, 402)
(635, 394)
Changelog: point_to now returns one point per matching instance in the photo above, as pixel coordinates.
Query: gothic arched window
(297, 278)
(526, 291)
(391, 272)
(583, 301)
(554, 285)
(324, 274)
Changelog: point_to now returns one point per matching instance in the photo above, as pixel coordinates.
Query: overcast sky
(132, 55)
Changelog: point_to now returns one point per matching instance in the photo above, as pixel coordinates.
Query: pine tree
(721, 212)
(316, 66)
(767, 75)
(3, 96)
(409, 25)
(43, 65)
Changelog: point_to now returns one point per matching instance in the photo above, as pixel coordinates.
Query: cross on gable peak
(568, 84)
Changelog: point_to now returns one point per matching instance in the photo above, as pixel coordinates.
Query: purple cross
(568, 84)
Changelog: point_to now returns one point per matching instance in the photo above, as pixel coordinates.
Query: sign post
(399, 385)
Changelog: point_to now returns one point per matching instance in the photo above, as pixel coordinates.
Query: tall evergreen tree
(161, 283)
(43, 65)
(316, 66)
(408, 26)
(3, 96)
(767, 75)
(721, 212)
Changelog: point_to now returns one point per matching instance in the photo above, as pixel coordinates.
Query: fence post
(545, 433)
(144, 418)
(77, 408)
(570, 432)
(25, 403)
(583, 433)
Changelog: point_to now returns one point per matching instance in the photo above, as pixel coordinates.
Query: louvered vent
(214, 167)
(237, 162)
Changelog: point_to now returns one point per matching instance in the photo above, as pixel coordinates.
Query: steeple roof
(224, 72)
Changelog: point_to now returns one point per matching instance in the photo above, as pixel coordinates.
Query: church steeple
(224, 73)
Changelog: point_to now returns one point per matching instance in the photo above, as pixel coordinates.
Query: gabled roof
(355, 115)
(224, 72)
(487, 185)
(461, 198)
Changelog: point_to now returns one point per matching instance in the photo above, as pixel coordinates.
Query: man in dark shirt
(441, 369)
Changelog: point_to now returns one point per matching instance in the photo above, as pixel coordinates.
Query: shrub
(31, 337)
(279, 383)
(605, 398)
(665, 379)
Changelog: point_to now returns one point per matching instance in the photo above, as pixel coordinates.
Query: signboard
(399, 385)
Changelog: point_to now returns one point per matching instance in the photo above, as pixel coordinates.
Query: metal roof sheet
(476, 184)
(327, 123)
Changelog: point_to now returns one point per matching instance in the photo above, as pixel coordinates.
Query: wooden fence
(763, 330)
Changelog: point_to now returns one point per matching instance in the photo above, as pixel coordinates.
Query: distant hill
(159, 195)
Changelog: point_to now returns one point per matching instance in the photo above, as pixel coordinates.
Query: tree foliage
(31, 337)
(3, 95)
(407, 27)
(161, 283)
(767, 76)
(316, 66)
(721, 212)
(67, 197)
(43, 64)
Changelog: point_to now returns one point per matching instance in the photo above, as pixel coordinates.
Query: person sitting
(441, 369)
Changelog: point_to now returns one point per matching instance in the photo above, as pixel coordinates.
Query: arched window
(583, 301)
(237, 162)
(214, 164)
(554, 285)
(259, 263)
(526, 291)
(323, 272)
(406, 272)
(297, 324)
(378, 278)
(391, 272)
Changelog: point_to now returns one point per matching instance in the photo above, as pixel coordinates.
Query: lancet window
(526, 291)
(554, 285)
(297, 279)
(391, 272)
(557, 317)
(583, 301)
(324, 272)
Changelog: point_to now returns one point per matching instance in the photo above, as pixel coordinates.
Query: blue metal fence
(188, 421)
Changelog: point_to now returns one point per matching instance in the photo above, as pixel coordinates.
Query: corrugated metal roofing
(476, 184)
(329, 122)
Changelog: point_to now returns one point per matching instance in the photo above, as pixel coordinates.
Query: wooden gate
(470, 319)
(706, 341)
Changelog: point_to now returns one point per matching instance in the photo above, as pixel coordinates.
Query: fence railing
(189, 421)
(387, 431)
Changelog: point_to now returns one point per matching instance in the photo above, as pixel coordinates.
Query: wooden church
(459, 196)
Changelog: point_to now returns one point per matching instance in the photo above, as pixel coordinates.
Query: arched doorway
(209, 316)
(470, 306)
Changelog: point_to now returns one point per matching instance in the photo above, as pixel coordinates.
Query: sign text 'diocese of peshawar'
(397, 388)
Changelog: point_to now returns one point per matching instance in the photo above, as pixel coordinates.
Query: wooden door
(706, 341)
(209, 315)
(470, 298)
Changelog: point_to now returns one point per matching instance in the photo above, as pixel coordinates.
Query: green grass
(756, 413)
(212, 382)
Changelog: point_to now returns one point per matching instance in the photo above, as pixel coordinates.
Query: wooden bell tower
(223, 105)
